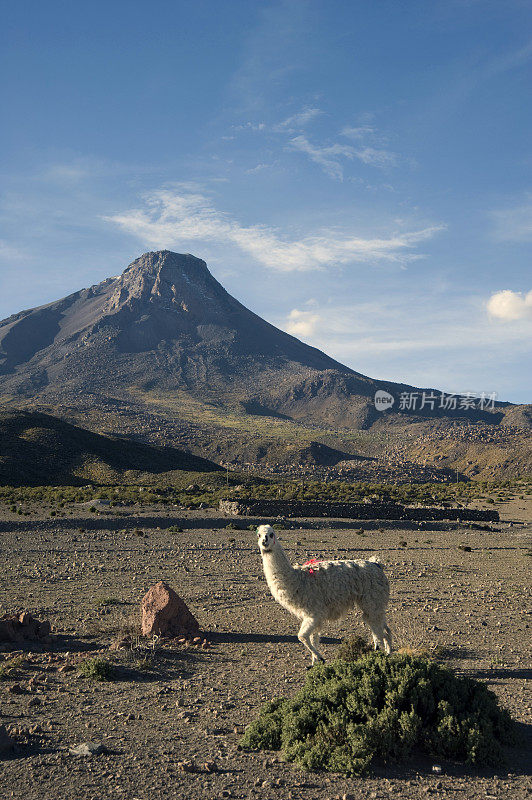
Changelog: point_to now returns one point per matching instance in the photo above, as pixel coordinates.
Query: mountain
(42, 450)
(164, 324)
(163, 353)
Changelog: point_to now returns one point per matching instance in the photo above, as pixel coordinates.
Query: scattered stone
(186, 766)
(88, 749)
(164, 613)
(17, 689)
(210, 766)
(35, 701)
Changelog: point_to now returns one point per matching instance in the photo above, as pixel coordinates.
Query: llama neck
(277, 567)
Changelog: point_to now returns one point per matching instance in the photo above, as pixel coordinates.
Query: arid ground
(172, 718)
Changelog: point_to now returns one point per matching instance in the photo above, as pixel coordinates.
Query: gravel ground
(171, 720)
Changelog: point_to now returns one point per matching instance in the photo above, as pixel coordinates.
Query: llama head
(266, 538)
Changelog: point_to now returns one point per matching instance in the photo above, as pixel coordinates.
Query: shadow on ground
(259, 638)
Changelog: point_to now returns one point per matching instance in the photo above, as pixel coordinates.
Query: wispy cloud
(373, 148)
(375, 157)
(299, 120)
(507, 61)
(249, 126)
(258, 168)
(514, 224)
(172, 218)
(357, 133)
(507, 305)
(328, 157)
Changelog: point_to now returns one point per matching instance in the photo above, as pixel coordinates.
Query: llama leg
(307, 632)
(376, 625)
(315, 640)
(387, 639)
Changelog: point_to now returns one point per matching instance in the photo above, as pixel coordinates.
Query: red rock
(164, 613)
(22, 626)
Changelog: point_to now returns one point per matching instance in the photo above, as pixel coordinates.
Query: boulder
(164, 613)
(23, 627)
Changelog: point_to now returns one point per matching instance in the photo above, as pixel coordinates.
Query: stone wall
(316, 508)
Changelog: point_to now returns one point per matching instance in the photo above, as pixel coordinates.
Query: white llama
(321, 591)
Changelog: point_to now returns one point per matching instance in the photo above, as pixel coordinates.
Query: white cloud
(259, 168)
(373, 151)
(508, 305)
(299, 120)
(247, 126)
(302, 323)
(375, 157)
(358, 133)
(175, 219)
(514, 224)
(328, 157)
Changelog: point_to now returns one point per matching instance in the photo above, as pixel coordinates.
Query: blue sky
(357, 173)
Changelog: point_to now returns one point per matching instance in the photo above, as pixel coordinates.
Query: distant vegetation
(200, 489)
(426, 493)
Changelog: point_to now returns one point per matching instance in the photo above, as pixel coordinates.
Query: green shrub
(10, 666)
(103, 602)
(97, 669)
(349, 713)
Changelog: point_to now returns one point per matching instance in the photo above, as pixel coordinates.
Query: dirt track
(186, 704)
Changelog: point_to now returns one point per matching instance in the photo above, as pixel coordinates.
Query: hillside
(41, 449)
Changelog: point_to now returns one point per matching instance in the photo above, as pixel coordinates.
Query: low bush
(9, 667)
(349, 713)
(97, 669)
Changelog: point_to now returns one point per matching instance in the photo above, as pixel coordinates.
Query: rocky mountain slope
(163, 353)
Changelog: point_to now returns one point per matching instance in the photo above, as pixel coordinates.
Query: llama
(321, 591)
